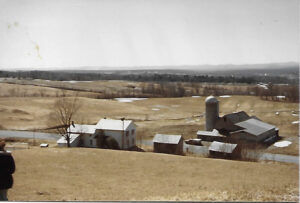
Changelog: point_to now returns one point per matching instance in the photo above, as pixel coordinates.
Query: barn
(224, 150)
(170, 144)
(254, 130)
(237, 126)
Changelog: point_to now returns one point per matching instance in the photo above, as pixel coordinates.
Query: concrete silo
(211, 112)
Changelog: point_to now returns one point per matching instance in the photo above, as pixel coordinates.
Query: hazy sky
(71, 33)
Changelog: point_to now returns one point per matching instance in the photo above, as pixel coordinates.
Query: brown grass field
(94, 174)
(175, 115)
(62, 174)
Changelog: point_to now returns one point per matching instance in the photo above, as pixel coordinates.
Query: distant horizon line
(140, 67)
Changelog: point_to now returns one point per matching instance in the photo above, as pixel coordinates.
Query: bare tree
(63, 113)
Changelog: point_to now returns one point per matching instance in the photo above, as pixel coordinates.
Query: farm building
(123, 131)
(237, 126)
(224, 150)
(210, 136)
(107, 133)
(170, 144)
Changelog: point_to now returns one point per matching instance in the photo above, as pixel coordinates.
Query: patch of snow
(155, 109)
(295, 114)
(196, 96)
(277, 113)
(295, 122)
(128, 99)
(225, 96)
(264, 86)
(280, 97)
(282, 144)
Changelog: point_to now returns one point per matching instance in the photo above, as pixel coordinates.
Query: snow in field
(196, 96)
(128, 99)
(225, 96)
(295, 114)
(263, 86)
(155, 109)
(295, 122)
(277, 113)
(280, 97)
(282, 144)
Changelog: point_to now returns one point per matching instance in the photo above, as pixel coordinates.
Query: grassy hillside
(96, 174)
(154, 115)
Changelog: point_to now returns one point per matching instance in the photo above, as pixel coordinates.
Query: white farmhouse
(123, 132)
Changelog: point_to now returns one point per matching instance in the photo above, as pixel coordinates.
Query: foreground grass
(96, 174)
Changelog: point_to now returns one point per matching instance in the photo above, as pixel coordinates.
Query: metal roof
(167, 139)
(209, 133)
(222, 147)
(211, 99)
(255, 127)
(237, 117)
(87, 129)
(110, 124)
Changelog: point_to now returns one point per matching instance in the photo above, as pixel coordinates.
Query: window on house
(132, 132)
(127, 133)
(133, 141)
(91, 142)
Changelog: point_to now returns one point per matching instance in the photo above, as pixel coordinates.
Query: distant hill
(289, 69)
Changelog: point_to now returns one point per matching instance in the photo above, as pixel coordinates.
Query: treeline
(149, 77)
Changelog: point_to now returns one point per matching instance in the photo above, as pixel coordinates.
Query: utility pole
(122, 119)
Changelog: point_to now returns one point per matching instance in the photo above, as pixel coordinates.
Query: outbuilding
(170, 144)
(224, 150)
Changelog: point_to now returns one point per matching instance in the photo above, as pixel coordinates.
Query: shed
(170, 144)
(224, 150)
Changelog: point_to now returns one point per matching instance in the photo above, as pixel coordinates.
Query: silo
(212, 112)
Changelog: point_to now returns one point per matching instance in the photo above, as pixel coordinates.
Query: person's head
(2, 145)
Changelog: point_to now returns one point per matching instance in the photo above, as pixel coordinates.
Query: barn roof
(209, 133)
(255, 127)
(167, 139)
(110, 124)
(87, 129)
(237, 117)
(222, 147)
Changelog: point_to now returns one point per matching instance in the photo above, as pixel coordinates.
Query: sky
(39, 34)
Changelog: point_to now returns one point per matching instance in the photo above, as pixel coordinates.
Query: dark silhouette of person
(7, 168)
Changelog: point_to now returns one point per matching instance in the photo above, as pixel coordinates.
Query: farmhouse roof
(87, 129)
(237, 117)
(63, 140)
(167, 139)
(255, 127)
(110, 124)
(222, 147)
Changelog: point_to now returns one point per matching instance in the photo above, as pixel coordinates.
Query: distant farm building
(235, 126)
(211, 136)
(170, 144)
(224, 150)
(107, 133)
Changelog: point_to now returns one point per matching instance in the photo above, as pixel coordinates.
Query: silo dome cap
(211, 99)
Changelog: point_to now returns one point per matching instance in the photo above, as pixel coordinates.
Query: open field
(96, 174)
(183, 115)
